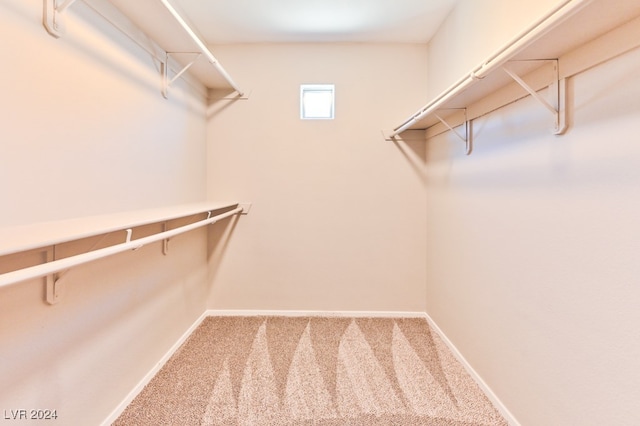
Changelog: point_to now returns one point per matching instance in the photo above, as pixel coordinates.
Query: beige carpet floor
(312, 371)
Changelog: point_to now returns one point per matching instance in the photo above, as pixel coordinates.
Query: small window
(316, 101)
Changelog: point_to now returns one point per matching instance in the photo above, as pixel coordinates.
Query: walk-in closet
(276, 212)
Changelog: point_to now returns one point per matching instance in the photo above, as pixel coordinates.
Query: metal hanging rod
(54, 266)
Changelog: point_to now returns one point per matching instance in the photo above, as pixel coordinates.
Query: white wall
(86, 131)
(533, 251)
(474, 30)
(338, 217)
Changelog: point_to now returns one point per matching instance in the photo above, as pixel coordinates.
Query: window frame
(318, 88)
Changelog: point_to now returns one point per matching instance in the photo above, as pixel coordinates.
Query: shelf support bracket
(53, 12)
(557, 93)
(54, 283)
(466, 138)
(166, 81)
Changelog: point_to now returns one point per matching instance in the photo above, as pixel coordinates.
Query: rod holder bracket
(53, 286)
(52, 20)
(246, 207)
(165, 242)
(54, 289)
(53, 11)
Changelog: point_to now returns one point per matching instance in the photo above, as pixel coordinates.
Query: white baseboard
(151, 374)
(291, 313)
(338, 314)
(483, 385)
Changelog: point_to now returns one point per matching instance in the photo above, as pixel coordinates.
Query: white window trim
(304, 88)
